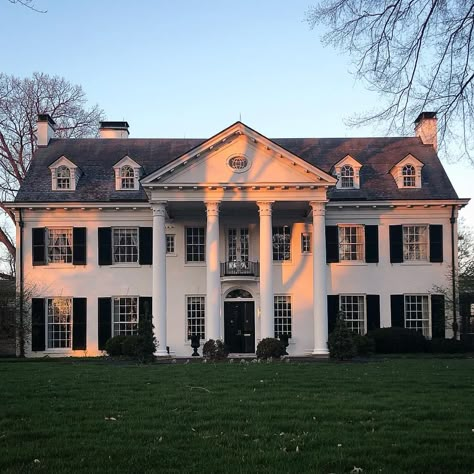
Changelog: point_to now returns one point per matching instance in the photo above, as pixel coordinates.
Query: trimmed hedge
(214, 350)
(397, 340)
(270, 348)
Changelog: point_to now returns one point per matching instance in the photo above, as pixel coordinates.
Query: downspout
(452, 221)
(22, 287)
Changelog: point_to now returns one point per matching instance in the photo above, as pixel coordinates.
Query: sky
(186, 68)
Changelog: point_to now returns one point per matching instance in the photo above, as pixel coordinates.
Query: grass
(389, 416)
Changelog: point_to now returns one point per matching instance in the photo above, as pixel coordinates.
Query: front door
(239, 326)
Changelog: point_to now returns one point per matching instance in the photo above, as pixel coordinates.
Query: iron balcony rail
(240, 268)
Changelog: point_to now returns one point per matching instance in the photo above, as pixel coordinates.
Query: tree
(417, 54)
(28, 4)
(21, 100)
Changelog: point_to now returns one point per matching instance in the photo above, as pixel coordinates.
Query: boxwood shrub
(270, 347)
(397, 340)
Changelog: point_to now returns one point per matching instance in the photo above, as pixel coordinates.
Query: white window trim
(127, 161)
(428, 297)
(171, 254)
(365, 306)
(126, 264)
(112, 310)
(194, 263)
(397, 172)
(75, 174)
(417, 262)
(58, 264)
(290, 260)
(186, 340)
(58, 349)
(348, 160)
(362, 244)
(290, 295)
(310, 235)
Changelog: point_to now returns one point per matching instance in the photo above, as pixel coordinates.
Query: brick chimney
(426, 127)
(46, 128)
(113, 130)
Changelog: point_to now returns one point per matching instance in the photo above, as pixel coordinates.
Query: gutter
(452, 221)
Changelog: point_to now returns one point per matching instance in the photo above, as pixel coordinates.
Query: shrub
(146, 340)
(214, 350)
(270, 347)
(113, 346)
(130, 346)
(397, 340)
(446, 346)
(341, 341)
(365, 345)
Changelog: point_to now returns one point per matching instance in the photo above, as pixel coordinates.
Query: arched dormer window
(347, 176)
(409, 176)
(63, 177)
(127, 177)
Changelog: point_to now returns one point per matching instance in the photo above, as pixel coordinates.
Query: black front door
(239, 326)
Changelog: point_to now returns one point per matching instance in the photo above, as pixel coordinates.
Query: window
(59, 323)
(282, 311)
(305, 242)
(353, 307)
(347, 177)
(351, 242)
(281, 243)
(409, 176)
(63, 178)
(417, 313)
(59, 245)
(127, 177)
(195, 244)
(170, 247)
(125, 245)
(125, 316)
(415, 242)
(196, 316)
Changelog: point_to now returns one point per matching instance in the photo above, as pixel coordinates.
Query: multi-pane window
(281, 243)
(347, 176)
(282, 312)
(306, 242)
(415, 242)
(125, 316)
(409, 178)
(63, 178)
(417, 313)
(353, 307)
(125, 244)
(170, 244)
(127, 177)
(59, 323)
(195, 244)
(59, 245)
(196, 316)
(351, 242)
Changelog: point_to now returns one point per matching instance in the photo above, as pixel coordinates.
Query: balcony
(240, 268)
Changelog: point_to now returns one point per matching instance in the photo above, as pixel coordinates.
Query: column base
(320, 352)
(162, 353)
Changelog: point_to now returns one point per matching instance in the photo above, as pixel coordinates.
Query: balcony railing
(240, 268)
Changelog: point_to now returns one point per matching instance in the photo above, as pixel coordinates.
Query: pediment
(62, 161)
(126, 161)
(239, 155)
(348, 160)
(409, 159)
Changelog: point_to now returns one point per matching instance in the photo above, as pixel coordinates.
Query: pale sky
(183, 68)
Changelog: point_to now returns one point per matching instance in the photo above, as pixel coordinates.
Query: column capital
(212, 207)
(318, 208)
(159, 208)
(265, 207)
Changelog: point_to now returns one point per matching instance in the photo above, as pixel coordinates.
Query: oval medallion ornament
(239, 163)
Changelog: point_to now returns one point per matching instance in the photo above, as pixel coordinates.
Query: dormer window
(127, 177)
(64, 175)
(347, 176)
(127, 174)
(407, 172)
(409, 175)
(347, 173)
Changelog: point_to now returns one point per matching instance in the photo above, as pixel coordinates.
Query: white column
(213, 276)
(319, 279)
(159, 276)
(266, 269)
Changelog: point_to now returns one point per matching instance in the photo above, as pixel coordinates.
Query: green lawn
(396, 415)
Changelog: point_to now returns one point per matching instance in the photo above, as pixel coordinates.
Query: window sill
(195, 264)
(171, 254)
(126, 265)
(350, 263)
(56, 266)
(283, 262)
(417, 263)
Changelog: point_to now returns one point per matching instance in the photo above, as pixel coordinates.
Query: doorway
(239, 322)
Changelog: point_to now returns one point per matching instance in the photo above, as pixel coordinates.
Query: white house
(235, 237)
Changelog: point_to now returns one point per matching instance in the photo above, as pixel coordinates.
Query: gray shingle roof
(96, 158)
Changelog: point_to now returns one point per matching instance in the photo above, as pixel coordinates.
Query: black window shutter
(397, 307)
(145, 241)
(79, 245)
(105, 321)
(105, 245)
(39, 245)
(436, 243)
(372, 243)
(79, 323)
(333, 309)
(438, 320)
(144, 307)
(396, 244)
(332, 244)
(373, 312)
(38, 324)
